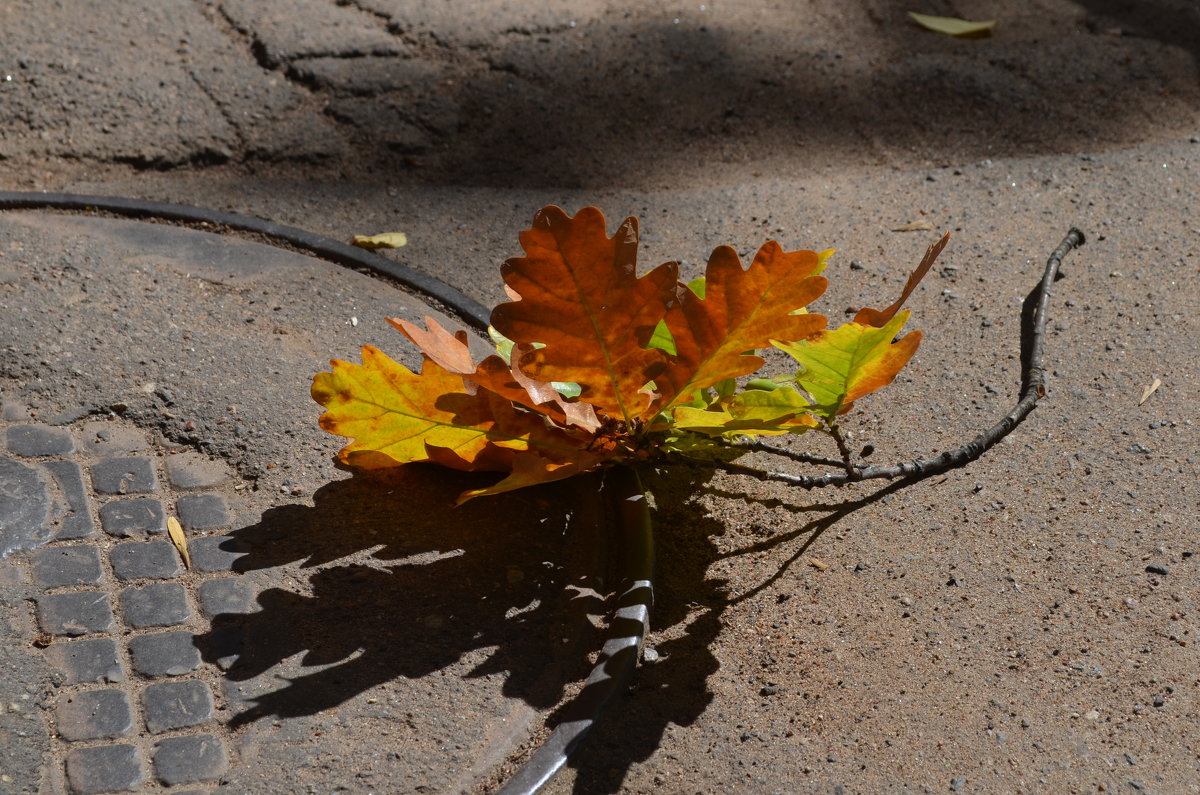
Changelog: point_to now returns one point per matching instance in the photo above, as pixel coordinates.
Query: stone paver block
(12, 411)
(137, 560)
(163, 604)
(93, 660)
(103, 439)
(164, 654)
(216, 553)
(24, 505)
(182, 760)
(77, 522)
(94, 715)
(75, 613)
(192, 470)
(124, 476)
(228, 595)
(202, 512)
(105, 768)
(176, 705)
(134, 518)
(227, 645)
(32, 440)
(55, 567)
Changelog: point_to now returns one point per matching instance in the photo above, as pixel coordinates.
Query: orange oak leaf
(450, 351)
(581, 298)
(511, 381)
(742, 310)
(393, 414)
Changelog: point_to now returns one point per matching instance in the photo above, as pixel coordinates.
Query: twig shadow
(383, 579)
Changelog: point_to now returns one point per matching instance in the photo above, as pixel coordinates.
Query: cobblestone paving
(118, 615)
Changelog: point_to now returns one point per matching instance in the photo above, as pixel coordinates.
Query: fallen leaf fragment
(915, 226)
(175, 531)
(818, 564)
(1150, 390)
(385, 240)
(953, 26)
(878, 318)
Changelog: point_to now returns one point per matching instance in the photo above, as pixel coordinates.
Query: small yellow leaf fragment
(386, 240)
(915, 226)
(952, 26)
(818, 564)
(175, 531)
(1150, 390)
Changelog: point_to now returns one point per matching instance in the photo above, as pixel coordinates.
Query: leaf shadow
(381, 580)
(674, 689)
(387, 588)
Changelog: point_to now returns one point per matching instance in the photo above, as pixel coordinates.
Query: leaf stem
(724, 466)
(783, 452)
(835, 431)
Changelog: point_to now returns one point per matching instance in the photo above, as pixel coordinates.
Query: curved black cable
(468, 309)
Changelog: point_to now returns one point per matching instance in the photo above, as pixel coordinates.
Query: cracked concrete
(282, 31)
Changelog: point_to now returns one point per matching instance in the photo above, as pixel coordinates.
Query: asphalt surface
(1025, 624)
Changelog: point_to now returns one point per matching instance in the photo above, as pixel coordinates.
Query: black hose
(467, 309)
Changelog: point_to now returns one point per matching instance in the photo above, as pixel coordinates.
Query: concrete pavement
(1009, 627)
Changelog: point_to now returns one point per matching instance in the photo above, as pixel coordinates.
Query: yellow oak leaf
(841, 365)
(754, 412)
(394, 415)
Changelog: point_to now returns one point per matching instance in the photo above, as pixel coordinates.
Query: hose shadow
(381, 579)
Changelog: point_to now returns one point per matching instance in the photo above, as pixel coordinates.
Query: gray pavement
(1025, 624)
